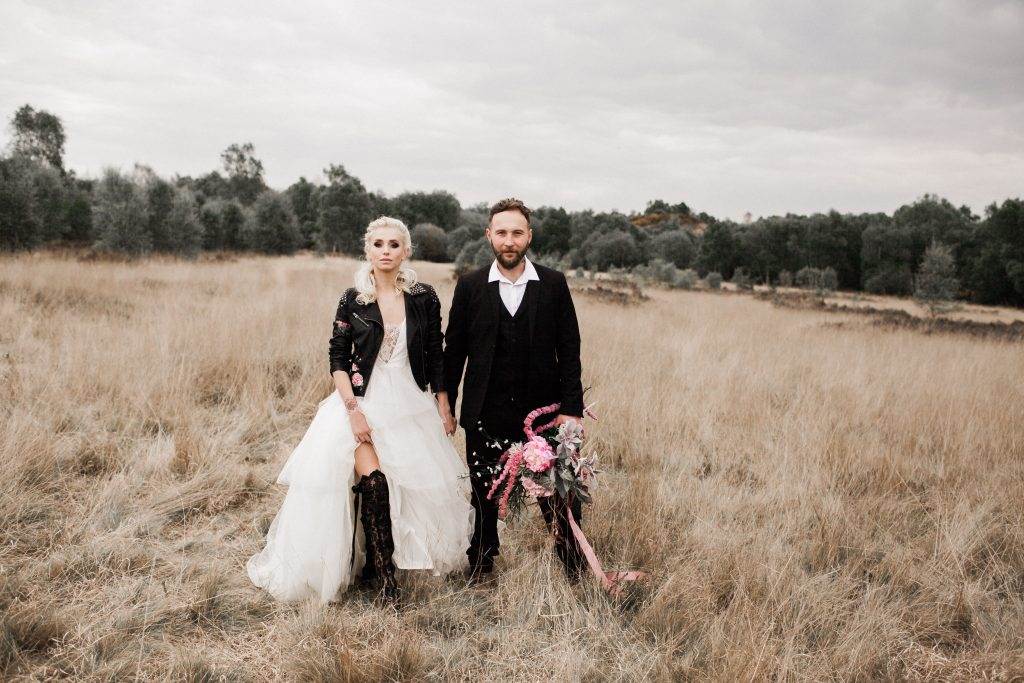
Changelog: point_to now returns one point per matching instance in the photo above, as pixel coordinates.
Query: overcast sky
(728, 106)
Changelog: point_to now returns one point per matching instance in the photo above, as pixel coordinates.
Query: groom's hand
(562, 419)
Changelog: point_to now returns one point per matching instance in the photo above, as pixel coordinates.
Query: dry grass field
(811, 501)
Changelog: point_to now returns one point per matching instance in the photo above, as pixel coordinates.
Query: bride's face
(386, 251)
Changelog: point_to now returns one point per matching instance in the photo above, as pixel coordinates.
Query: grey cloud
(731, 106)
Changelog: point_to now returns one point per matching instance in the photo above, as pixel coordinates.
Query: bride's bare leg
(366, 459)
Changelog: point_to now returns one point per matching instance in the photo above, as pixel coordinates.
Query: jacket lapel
(372, 312)
(411, 322)
(530, 298)
(494, 301)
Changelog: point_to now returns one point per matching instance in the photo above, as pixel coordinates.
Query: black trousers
(499, 427)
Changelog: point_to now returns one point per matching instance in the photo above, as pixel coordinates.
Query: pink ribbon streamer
(610, 581)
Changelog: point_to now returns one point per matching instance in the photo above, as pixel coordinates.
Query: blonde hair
(365, 284)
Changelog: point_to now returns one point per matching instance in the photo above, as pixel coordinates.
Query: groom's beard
(509, 259)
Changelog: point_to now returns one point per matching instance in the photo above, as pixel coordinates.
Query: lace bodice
(392, 336)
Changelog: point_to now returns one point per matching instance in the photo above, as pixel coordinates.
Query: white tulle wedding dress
(308, 549)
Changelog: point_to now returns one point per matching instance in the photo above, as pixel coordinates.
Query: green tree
(808, 278)
(661, 206)
(429, 243)
(223, 221)
(829, 279)
(552, 230)
(460, 237)
(50, 197)
(19, 225)
(438, 207)
(38, 135)
(183, 229)
(615, 249)
(741, 279)
(78, 217)
(120, 216)
(345, 211)
(886, 255)
(587, 226)
(160, 196)
(271, 228)
(996, 267)
(305, 198)
(718, 250)
(475, 217)
(936, 284)
(932, 219)
(207, 187)
(675, 246)
(244, 171)
(475, 254)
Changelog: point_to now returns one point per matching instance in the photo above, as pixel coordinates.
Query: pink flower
(538, 455)
(342, 324)
(357, 380)
(533, 488)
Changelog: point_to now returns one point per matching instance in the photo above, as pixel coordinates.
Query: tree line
(232, 208)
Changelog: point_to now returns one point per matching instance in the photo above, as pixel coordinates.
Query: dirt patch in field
(887, 318)
(623, 293)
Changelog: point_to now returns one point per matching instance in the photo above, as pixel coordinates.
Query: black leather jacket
(359, 331)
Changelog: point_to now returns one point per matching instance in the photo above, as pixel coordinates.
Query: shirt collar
(529, 273)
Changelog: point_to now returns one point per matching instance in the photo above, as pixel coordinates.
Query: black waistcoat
(508, 385)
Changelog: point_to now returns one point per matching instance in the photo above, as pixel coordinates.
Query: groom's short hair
(510, 204)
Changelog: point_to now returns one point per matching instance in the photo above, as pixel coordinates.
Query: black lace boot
(368, 576)
(375, 514)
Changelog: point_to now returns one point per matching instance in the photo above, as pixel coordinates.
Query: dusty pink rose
(538, 455)
(533, 488)
(357, 380)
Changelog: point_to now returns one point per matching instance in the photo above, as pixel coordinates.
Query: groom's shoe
(375, 514)
(480, 570)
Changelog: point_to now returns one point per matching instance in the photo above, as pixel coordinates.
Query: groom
(515, 324)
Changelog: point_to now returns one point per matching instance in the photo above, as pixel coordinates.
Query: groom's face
(509, 234)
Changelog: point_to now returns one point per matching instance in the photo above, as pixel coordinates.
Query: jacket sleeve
(567, 347)
(455, 346)
(435, 342)
(340, 348)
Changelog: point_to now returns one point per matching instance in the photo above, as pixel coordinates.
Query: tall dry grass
(811, 502)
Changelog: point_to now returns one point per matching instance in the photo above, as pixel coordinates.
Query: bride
(380, 436)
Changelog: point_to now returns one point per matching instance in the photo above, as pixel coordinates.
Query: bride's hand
(448, 421)
(360, 428)
(445, 412)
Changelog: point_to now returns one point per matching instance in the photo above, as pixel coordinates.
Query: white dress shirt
(512, 292)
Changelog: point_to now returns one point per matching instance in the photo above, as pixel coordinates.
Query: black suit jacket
(554, 372)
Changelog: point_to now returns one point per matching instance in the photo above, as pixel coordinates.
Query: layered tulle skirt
(308, 551)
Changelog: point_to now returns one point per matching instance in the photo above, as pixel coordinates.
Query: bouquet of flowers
(548, 462)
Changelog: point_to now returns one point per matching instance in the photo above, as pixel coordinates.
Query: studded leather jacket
(359, 330)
